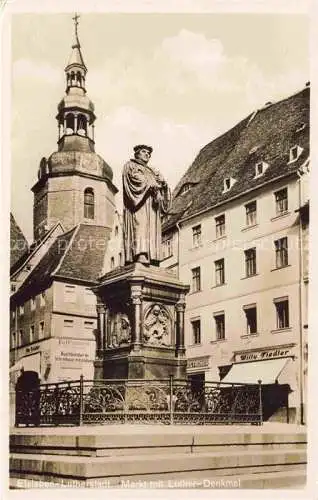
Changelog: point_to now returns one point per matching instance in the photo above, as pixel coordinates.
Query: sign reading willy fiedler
(263, 354)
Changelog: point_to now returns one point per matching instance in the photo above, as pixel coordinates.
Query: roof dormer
(260, 169)
(228, 183)
(294, 153)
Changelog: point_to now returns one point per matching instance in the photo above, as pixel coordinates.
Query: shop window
(281, 251)
(220, 226)
(282, 313)
(250, 262)
(196, 236)
(196, 331)
(219, 272)
(219, 319)
(196, 279)
(251, 319)
(251, 213)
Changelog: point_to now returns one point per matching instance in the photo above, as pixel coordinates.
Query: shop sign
(196, 363)
(32, 348)
(74, 351)
(262, 355)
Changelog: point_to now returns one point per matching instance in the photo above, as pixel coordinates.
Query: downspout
(300, 257)
(178, 251)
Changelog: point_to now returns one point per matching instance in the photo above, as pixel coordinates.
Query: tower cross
(76, 18)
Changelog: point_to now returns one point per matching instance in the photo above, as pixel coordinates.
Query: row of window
(22, 339)
(260, 169)
(250, 312)
(281, 205)
(250, 255)
(33, 303)
(70, 295)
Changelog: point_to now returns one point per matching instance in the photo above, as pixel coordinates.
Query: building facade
(52, 307)
(235, 215)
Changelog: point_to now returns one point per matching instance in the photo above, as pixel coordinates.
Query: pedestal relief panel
(157, 326)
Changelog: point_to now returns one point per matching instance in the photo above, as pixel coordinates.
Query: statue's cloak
(144, 201)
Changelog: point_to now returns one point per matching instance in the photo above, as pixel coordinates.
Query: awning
(29, 363)
(267, 371)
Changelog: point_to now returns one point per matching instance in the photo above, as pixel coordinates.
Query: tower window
(81, 125)
(69, 124)
(79, 78)
(89, 203)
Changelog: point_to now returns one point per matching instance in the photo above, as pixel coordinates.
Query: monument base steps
(249, 458)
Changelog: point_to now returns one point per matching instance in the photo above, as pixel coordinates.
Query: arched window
(72, 77)
(79, 78)
(81, 125)
(69, 124)
(89, 203)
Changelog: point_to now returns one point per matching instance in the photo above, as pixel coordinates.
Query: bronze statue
(146, 199)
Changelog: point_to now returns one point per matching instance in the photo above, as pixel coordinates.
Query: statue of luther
(146, 198)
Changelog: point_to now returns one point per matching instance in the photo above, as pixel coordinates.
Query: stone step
(151, 443)
(141, 465)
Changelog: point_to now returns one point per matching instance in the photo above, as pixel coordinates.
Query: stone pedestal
(140, 330)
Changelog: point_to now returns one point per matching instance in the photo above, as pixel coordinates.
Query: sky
(173, 81)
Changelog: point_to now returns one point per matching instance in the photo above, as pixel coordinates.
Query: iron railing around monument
(167, 401)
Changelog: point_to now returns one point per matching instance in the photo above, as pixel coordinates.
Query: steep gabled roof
(84, 258)
(76, 255)
(41, 275)
(19, 247)
(266, 135)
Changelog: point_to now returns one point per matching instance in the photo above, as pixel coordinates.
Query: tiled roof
(85, 258)
(40, 276)
(266, 135)
(75, 255)
(18, 244)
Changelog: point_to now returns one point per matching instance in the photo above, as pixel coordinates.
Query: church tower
(74, 184)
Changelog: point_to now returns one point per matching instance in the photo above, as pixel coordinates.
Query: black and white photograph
(160, 177)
